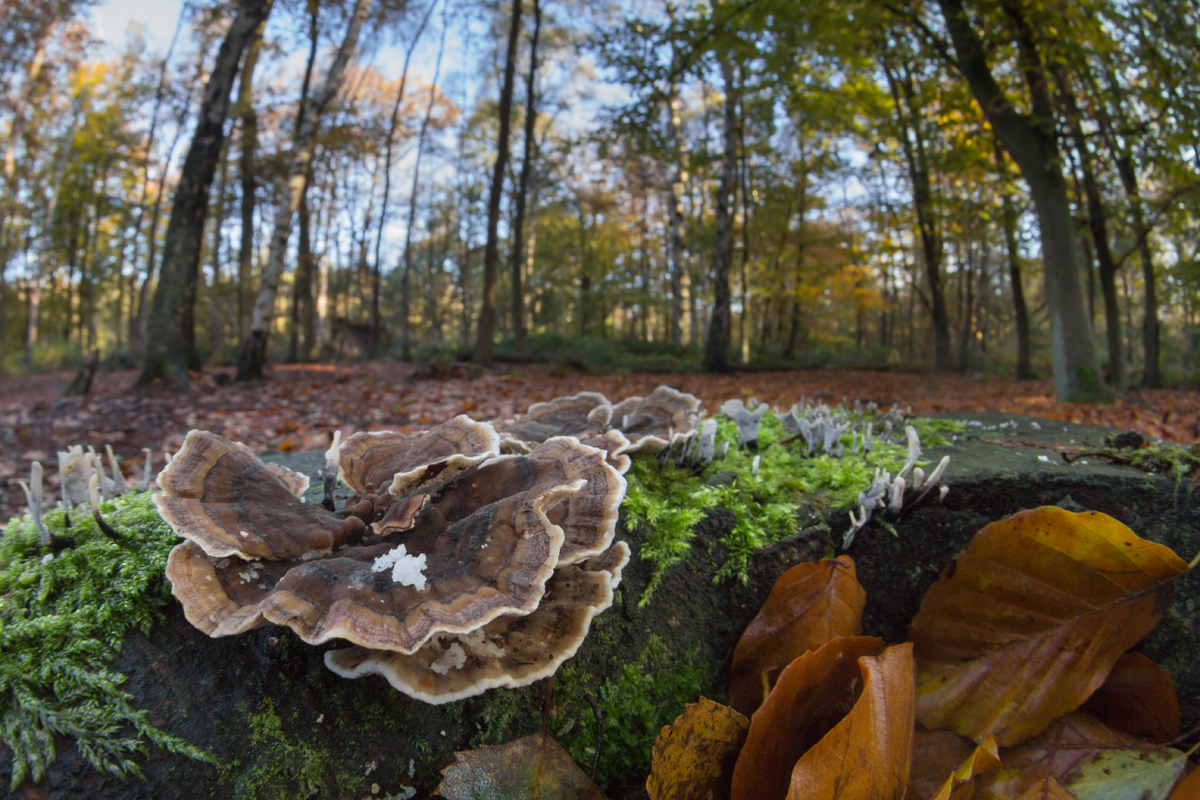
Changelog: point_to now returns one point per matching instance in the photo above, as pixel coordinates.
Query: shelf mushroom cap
(221, 496)
(663, 418)
(581, 415)
(509, 651)
(398, 462)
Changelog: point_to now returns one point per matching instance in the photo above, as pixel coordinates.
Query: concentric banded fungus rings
(453, 570)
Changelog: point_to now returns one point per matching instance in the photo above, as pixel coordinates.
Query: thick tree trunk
(491, 253)
(254, 349)
(170, 346)
(1030, 140)
(527, 166)
(716, 345)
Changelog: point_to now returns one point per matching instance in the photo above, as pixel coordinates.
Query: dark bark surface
(491, 252)
(282, 725)
(716, 344)
(170, 345)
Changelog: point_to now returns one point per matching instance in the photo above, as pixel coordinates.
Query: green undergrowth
(667, 501)
(62, 619)
(632, 710)
(1177, 461)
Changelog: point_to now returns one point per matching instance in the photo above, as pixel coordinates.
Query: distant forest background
(997, 186)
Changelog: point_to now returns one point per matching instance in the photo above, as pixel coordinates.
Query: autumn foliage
(1015, 685)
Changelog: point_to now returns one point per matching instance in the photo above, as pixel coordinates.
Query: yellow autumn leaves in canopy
(1014, 637)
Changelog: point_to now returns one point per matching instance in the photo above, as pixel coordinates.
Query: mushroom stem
(114, 464)
(35, 498)
(94, 494)
(147, 470)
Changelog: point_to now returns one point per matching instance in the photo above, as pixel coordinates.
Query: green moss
(633, 708)
(667, 501)
(283, 766)
(1177, 461)
(62, 619)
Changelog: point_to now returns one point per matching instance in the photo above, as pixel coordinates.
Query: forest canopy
(963, 185)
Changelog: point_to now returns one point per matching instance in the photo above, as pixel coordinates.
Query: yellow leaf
(694, 756)
(1029, 621)
(961, 783)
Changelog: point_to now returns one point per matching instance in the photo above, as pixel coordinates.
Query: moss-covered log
(283, 726)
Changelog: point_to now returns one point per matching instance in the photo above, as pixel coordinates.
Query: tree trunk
(170, 345)
(491, 253)
(916, 157)
(405, 277)
(249, 176)
(387, 195)
(1030, 140)
(1020, 311)
(254, 349)
(716, 346)
(1098, 225)
(527, 166)
(43, 269)
(302, 281)
(675, 219)
(1151, 376)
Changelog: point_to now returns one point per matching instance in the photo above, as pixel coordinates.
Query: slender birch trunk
(254, 348)
(387, 194)
(716, 346)
(527, 167)
(405, 278)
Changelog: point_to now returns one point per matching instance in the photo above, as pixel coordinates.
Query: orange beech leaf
(533, 768)
(693, 757)
(1088, 760)
(1139, 699)
(813, 694)
(1188, 788)
(961, 783)
(868, 754)
(1027, 623)
(936, 754)
(809, 605)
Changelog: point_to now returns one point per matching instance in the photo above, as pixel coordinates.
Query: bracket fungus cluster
(454, 568)
(663, 419)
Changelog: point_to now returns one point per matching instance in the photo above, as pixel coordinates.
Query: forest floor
(300, 406)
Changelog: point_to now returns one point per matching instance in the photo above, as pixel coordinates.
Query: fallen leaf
(1090, 760)
(693, 757)
(1188, 788)
(810, 604)
(868, 754)
(961, 783)
(533, 768)
(1137, 698)
(1028, 622)
(814, 693)
(936, 754)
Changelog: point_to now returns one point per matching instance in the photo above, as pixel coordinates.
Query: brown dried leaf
(944, 765)
(694, 756)
(810, 604)
(1083, 758)
(1029, 621)
(868, 754)
(1139, 699)
(533, 768)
